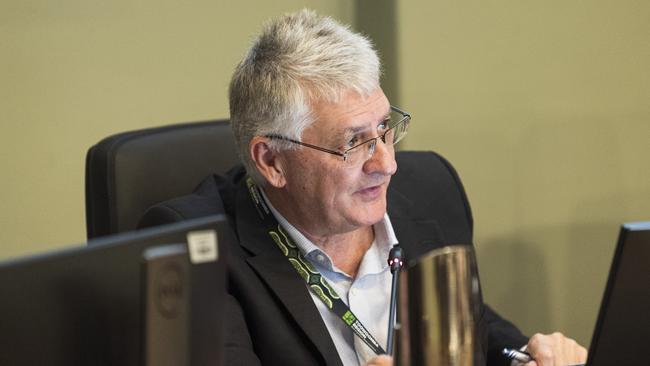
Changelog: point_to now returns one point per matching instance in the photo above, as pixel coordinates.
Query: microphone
(395, 262)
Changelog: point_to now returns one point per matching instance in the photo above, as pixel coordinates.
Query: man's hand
(382, 360)
(555, 350)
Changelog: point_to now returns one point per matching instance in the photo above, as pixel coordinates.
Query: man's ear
(268, 162)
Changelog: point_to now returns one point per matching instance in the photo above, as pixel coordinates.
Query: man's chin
(375, 214)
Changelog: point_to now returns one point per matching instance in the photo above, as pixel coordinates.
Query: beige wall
(74, 71)
(544, 109)
(541, 106)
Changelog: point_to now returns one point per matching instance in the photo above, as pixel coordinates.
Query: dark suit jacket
(271, 317)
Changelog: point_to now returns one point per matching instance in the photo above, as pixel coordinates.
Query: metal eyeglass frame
(406, 117)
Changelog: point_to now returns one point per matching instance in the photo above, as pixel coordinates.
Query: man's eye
(383, 126)
(352, 142)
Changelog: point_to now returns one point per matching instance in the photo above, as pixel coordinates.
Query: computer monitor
(623, 329)
(149, 297)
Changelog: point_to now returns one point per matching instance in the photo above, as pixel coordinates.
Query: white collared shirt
(367, 295)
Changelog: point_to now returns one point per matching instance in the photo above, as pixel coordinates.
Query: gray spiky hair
(297, 59)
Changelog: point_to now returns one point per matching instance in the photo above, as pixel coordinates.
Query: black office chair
(131, 171)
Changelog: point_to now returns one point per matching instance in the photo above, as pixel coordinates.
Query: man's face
(332, 196)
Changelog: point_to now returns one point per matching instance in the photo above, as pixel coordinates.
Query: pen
(519, 356)
(523, 357)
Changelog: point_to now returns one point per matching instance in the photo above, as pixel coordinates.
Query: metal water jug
(438, 309)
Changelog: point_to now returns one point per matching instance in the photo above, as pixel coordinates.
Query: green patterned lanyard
(308, 272)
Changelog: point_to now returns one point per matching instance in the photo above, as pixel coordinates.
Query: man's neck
(346, 248)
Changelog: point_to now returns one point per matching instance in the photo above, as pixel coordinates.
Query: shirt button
(320, 258)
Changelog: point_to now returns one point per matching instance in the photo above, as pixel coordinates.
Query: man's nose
(382, 160)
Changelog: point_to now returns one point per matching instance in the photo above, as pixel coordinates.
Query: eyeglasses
(355, 154)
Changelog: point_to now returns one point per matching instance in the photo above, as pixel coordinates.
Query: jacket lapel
(278, 274)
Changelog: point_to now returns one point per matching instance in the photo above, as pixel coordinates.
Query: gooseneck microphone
(395, 262)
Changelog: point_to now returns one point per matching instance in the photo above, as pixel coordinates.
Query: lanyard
(308, 272)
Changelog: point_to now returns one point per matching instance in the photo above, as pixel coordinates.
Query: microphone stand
(395, 263)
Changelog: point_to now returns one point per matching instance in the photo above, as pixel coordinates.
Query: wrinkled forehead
(352, 113)
(363, 126)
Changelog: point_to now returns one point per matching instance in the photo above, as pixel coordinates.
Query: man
(316, 135)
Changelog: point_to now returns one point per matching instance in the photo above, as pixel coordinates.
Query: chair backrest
(131, 171)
